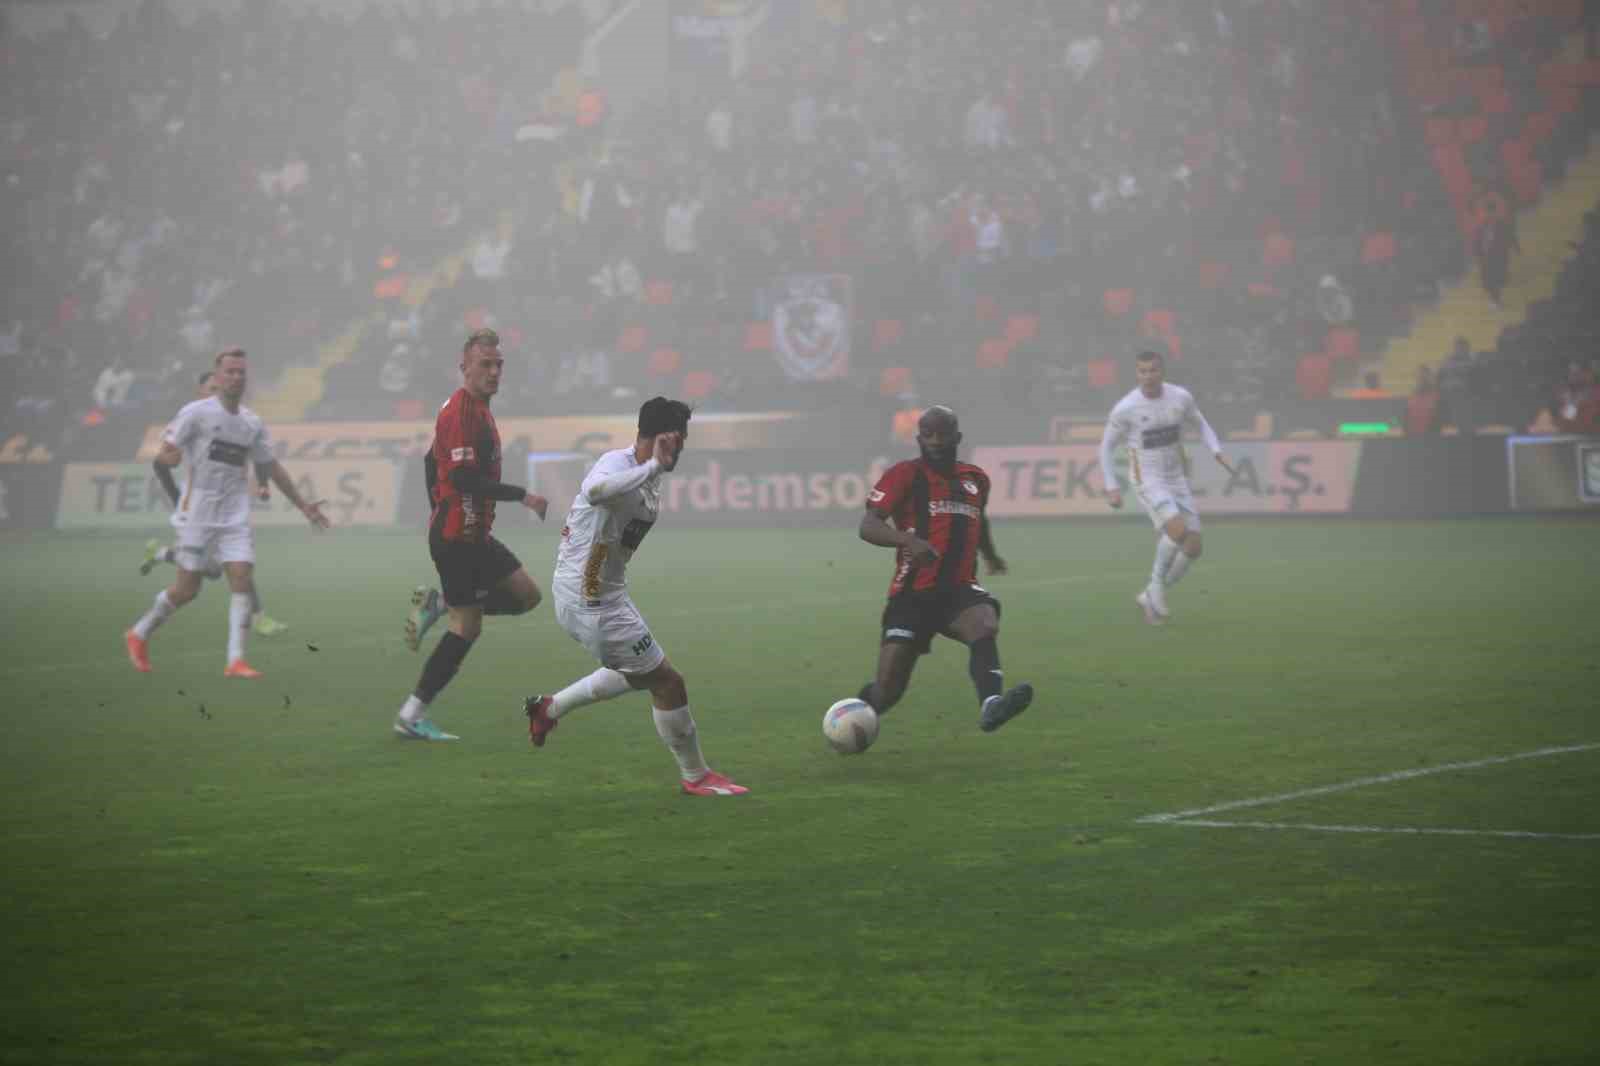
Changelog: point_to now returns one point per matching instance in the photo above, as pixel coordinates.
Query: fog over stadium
(1215, 381)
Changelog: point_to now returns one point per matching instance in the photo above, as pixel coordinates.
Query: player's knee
(1192, 546)
(670, 690)
(467, 627)
(180, 594)
(532, 597)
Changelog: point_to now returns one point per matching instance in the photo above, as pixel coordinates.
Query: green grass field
(201, 871)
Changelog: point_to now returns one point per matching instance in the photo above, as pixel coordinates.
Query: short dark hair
(1149, 355)
(661, 415)
(205, 376)
(484, 337)
(227, 353)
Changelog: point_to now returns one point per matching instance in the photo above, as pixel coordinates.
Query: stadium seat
(664, 362)
(1471, 129)
(894, 380)
(758, 337)
(1378, 247)
(633, 339)
(698, 384)
(658, 293)
(886, 332)
(1343, 342)
(1021, 329)
(1213, 274)
(1314, 376)
(1102, 373)
(987, 309)
(1118, 302)
(1277, 250)
(994, 354)
(904, 427)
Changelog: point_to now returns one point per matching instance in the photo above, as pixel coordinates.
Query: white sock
(238, 624)
(1166, 550)
(413, 709)
(151, 620)
(1179, 567)
(604, 684)
(676, 729)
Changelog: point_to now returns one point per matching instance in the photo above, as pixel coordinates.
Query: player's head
(659, 415)
(228, 374)
(938, 436)
(1151, 370)
(206, 386)
(481, 363)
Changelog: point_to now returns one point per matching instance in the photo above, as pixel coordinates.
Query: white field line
(778, 610)
(1208, 823)
(1196, 816)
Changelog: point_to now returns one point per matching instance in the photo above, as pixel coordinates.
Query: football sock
(238, 624)
(677, 731)
(255, 600)
(983, 663)
(442, 665)
(412, 709)
(1179, 567)
(604, 684)
(1166, 549)
(168, 555)
(151, 620)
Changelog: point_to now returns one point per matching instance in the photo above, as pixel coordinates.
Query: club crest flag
(811, 326)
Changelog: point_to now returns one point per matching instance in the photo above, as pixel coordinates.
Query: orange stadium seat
(658, 293)
(758, 337)
(1102, 373)
(1378, 247)
(1118, 302)
(1021, 329)
(886, 332)
(698, 384)
(664, 362)
(894, 380)
(633, 339)
(994, 354)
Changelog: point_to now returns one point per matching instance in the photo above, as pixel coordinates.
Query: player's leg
(977, 625)
(241, 582)
(586, 626)
(516, 593)
(185, 587)
(1163, 510)
(669, 707)
(154, 553)
(907, 631)
(459, 567)
(1184, 531)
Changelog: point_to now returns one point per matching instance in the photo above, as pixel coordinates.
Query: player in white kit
(1151, 419)
(216, 439)
(617, 504)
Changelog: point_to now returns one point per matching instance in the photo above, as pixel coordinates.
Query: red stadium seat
(758, 337)
(633, 339)
(1102, 373)
(1314, 376)
(1020, 329)
(1213, 274)
(988, 309)
(658, 293)
(994, 354)
(664, 362)
(886, 332)
(1343, 342)
(1377, 247)
(894, 380)
(1277, 250)
(698, 384)
(1118, 302)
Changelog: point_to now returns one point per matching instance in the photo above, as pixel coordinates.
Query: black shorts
(469, 569)
(914, 617)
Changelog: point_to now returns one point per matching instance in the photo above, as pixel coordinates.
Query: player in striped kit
(931, 510)
(1151, 419)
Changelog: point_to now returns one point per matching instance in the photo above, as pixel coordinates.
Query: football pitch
(1345, 809)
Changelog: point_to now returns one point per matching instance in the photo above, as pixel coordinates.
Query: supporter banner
(1279, 477)
(811, 325)
(1553, 473)
(298, 441)
(127, 495)
(28, 495)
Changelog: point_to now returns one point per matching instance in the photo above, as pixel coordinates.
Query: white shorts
(1163, 503)
(202, 547)
(615, 634)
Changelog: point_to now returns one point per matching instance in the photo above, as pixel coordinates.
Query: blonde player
(1151, 420)
(216, 438)
(617, 504)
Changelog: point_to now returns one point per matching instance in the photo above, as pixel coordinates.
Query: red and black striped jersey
(464, 435)
(946, 510)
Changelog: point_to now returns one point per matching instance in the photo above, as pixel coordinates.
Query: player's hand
(666, 449)
(263, 492)
(922, 553)
(535, 503)
(996, 564)
(1224, 464)
(1114, 498)
(314, 515)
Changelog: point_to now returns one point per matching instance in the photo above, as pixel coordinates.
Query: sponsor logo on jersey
(952, 507)
(1161, 436)
(227, 453)
(462, 455)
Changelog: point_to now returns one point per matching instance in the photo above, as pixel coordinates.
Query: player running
(618, 503)
(155, 553)
(937, 507)
(478, 574)
(1151, 419)
(215, 438)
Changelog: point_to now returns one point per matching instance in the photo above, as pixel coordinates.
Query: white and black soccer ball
(851, 726)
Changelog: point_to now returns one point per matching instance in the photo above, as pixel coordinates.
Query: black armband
(469, 481)
(168, 482)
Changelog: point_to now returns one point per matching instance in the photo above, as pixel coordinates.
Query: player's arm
(991, 558)
(167, 458)
(1207, 434)
(469, 481)
(602, 485)
(457, 459)
(312, 510)
(875, 529)
(1115, 432)
(263, 474)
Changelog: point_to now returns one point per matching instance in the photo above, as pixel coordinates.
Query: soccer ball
(850, 726)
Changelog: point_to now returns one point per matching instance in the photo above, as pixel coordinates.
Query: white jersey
(218, 448)
(614, 509)
(1153, 430)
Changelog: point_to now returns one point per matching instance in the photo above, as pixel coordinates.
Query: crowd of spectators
(1019, 196)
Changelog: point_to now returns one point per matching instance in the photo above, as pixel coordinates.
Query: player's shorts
(615, 633)
(914, 617)
(200, 548)
(469, 569)
(1163, 503)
